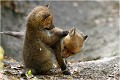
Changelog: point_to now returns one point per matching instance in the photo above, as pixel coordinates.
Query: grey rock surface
(104, 69)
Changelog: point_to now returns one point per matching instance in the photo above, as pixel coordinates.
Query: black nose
(85, 37)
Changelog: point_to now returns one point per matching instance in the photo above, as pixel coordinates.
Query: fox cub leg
(57, 51)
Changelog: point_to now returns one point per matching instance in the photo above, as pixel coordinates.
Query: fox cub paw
(62, 33)
(65, 33)
(66, 72)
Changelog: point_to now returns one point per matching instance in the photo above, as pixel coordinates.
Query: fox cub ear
(47, 5)
(72, 31)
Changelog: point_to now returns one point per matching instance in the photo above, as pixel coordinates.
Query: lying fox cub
(72, 43)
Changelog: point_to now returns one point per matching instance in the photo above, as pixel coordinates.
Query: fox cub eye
(45, 16)
(48, 21)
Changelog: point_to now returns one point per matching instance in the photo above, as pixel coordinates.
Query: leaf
(29, 73)
(1, 50)
(1, 54)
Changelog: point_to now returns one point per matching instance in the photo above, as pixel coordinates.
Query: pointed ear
(47, 5)
(85, 37)
(72, 31)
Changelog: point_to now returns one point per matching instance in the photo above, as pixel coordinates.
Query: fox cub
(72, 43)
(36, 52)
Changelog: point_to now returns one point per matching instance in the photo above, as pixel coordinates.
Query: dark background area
(98, 19)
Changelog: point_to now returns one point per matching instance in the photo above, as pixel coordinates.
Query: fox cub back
(36, 55)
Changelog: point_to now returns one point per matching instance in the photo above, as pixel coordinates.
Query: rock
(103, 69)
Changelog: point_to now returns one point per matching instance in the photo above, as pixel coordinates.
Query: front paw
(66, 73)
(65, 33)
(62, 33)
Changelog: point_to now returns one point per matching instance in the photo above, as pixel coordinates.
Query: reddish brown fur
(72, 43)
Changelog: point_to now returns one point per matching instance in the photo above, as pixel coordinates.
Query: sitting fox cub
(36, 52)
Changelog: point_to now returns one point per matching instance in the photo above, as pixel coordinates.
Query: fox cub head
(40, 17)
(73, 43)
